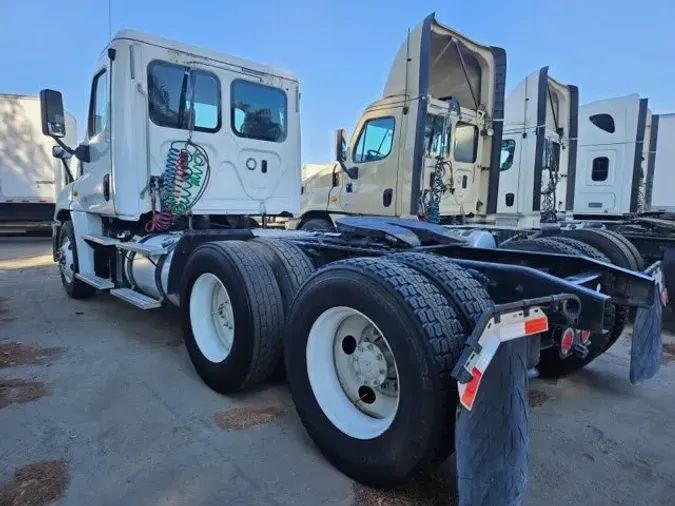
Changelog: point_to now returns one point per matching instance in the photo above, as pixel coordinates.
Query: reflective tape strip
(512, 326)
(470, 389)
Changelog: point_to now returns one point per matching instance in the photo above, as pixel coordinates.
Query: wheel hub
(369, 364)
(66, 262)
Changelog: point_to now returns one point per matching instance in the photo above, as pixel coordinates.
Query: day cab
(149, 95)
(443, 102)
(539, 151)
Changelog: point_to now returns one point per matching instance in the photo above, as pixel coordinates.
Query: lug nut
(370, 346)
(379, 356)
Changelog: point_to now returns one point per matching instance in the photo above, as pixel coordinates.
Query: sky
(342, 51)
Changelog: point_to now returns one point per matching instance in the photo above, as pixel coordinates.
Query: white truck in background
(539, 148)
(613, 158)
(659, 195)
(30, 178)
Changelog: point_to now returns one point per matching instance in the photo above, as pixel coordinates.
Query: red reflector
(536, 325)
(567, 340)
(471, 387)
(42, 201)
(585, 335)
(9, 200)
(25, 201)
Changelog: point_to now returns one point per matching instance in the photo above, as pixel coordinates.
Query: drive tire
(425, 338)
(75, 288)
(256, 308)
(639, 261)
(550, 363)
(491, 439)
(291, 267)
(467, 296)
(607, 244)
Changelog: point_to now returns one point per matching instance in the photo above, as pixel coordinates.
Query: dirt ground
(99, 404)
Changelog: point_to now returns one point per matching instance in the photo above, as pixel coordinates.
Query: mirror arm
(69, 175)
(81, 152)
(352, 172)
(65, 146)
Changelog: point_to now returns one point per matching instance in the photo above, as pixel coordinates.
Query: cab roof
(203, 53)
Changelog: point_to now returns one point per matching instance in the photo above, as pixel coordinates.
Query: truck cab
(612, 167)
(149, 97)
(539, 148)
(429, 148)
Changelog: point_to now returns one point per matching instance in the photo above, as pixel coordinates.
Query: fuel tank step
(136, 298)
(95, 281)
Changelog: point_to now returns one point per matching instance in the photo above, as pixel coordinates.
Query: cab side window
(466, 143)
(375, 140)
(506, 157)
(98, 106)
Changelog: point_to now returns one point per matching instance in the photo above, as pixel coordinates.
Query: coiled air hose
(186, 176)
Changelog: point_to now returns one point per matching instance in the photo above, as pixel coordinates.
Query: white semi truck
(402, 340)
(661, 170)
(30, 178)
(539, 149)
(614, 140)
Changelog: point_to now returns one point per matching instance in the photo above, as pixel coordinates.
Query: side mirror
(53, 118)
(340, 145)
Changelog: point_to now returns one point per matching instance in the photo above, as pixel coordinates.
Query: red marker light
(567, 341)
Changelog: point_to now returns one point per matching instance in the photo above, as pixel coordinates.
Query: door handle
(387, 197)
(106, 187)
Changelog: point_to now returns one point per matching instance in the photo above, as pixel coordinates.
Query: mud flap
(646, 352)
(491, 439)
(491, 430)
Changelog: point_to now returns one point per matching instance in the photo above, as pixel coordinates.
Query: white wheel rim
(211, 317)
(358, 391)
(66, 260)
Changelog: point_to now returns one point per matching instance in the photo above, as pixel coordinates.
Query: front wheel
(319, 225)
(68, 264)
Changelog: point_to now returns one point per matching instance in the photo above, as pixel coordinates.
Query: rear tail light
(585, 336)
(566, 341)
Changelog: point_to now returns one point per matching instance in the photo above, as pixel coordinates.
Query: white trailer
(399, 337)
(30, 178)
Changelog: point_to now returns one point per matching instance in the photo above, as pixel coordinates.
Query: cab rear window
(258, 111)
(183, 97)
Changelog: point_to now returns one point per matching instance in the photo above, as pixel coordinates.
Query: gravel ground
(99, 404)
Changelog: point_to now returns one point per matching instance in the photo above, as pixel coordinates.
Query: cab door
(94, 184)
(509, 174)
(373, 151)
